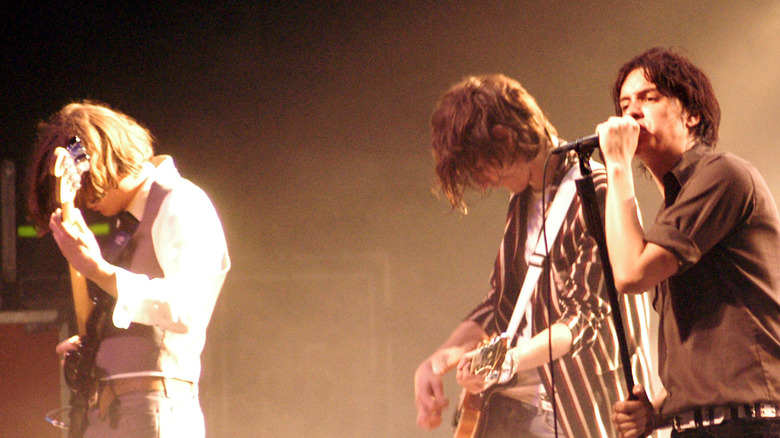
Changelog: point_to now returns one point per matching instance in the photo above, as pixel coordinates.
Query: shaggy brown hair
(116, 144)
(488, 120)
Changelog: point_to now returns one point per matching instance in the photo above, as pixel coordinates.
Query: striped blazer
(589, 379)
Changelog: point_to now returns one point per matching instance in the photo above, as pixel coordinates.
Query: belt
(110, 389)
(714, 415)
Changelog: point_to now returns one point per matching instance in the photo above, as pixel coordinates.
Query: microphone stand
(590, 208)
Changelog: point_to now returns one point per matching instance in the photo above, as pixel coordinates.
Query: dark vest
(137, 348)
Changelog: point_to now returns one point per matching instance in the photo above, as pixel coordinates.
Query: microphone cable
(548, 269)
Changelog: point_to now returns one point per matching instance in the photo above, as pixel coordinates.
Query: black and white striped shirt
(589, 379)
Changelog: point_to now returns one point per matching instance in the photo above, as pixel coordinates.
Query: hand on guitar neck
(80, 247)
(69, 165)
(76, 242)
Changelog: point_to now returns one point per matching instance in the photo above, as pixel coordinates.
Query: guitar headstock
(490, 355)
(70, 163)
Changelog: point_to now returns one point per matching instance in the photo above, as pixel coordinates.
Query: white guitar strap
(557, 213)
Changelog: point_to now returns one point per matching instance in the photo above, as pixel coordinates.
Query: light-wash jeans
(149, 415)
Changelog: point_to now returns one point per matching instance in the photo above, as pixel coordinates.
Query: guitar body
(79, 364)
(468, 415)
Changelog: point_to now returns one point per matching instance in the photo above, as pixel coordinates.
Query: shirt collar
(151, 169)
(681, 172)
(138, 203)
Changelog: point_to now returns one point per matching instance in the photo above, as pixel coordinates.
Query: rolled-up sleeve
(190, 247)
(583, 309)
(707, 207)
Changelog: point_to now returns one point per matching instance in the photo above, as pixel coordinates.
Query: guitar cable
(51, 417)
(549, 296)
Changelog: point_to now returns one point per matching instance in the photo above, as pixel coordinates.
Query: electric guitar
(70, 163)
(94, 314)
(468, 419)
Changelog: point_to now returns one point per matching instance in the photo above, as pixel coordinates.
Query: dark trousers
(738, 428)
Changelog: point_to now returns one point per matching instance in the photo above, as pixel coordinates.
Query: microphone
(584, 145)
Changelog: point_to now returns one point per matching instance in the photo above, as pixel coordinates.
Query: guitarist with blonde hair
(134, 371)
(488, 132)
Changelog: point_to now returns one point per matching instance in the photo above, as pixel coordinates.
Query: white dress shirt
(190, 247)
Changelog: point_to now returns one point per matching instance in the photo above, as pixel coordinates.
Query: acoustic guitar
(468, 419)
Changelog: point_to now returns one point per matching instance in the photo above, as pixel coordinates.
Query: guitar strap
(547, 235)
(112, 251)
(126, 224)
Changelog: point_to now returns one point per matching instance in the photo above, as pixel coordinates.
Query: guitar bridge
(490, 356)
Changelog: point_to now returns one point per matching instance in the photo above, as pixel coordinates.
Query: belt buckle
(683, 421)
(766, 410)
(718, 414)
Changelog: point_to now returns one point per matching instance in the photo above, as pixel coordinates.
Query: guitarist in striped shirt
(487, 132)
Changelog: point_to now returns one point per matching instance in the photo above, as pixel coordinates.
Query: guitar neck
(82, 303)
(67, 168)
(67, 212)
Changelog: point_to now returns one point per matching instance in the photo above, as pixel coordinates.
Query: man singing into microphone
(712, 254)
(487, 131)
